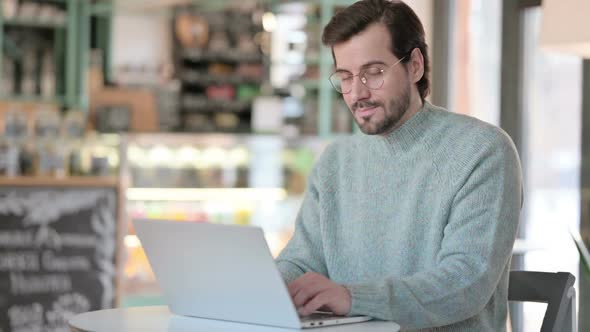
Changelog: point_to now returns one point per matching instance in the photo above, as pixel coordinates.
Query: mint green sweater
(418, 225)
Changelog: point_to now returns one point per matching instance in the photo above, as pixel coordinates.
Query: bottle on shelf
(12, 142)
(99, 158)
(51, 153)
(7, 77)
(72, 132)
(28, 83)
(47, 83)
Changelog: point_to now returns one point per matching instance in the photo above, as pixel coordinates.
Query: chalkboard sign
(57, 255)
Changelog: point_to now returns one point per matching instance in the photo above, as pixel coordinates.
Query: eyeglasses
(371, 77)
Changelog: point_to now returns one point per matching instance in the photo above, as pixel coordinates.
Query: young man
(415, 221)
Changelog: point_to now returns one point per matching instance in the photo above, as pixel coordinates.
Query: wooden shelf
(71, 181)
(197, 103)
(32, 99)
(34, 23)
(196, 78)
(230, 55)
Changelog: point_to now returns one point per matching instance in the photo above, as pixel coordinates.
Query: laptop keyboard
(318, 316)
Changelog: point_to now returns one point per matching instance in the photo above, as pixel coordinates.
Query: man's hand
(313, 291)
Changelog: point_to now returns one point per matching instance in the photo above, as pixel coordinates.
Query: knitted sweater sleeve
(304, 251)
(474, 253)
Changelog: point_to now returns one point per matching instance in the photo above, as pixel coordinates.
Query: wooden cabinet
(44, 51)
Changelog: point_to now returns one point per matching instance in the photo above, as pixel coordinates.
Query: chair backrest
(555, 289)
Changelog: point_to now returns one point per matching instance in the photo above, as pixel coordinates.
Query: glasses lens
(373, 78)
(336, 82)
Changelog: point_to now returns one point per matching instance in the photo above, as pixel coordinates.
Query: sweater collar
(404, 137)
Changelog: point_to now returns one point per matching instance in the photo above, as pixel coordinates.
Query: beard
(392, 114)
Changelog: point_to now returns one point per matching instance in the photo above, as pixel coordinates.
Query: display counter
(219, 178)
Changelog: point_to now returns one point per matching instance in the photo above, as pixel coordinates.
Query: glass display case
(254, 180)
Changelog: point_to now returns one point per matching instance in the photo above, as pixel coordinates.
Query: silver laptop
(222, 272)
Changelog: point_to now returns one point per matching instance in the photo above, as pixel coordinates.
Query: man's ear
(416, 65)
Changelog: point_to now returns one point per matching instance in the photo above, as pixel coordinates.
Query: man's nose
(359, 90)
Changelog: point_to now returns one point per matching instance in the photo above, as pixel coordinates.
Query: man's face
(376, 111)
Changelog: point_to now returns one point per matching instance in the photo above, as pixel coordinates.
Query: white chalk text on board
(57, 255)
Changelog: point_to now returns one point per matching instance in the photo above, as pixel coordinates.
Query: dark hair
(406, 30)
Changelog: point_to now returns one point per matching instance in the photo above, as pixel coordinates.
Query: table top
(522, 247)
(159, 318)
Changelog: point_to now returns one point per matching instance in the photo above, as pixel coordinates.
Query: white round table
(522, 247)
(159, 318)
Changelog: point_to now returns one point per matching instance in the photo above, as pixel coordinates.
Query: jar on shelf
(12, 142)
(72, 132)
(7, 78)
(51, 152)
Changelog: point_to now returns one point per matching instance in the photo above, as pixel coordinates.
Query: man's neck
(414, 108)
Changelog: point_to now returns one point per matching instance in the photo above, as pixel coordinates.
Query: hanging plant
(583, 250)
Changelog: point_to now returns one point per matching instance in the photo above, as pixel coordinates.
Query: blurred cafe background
(215, 111)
